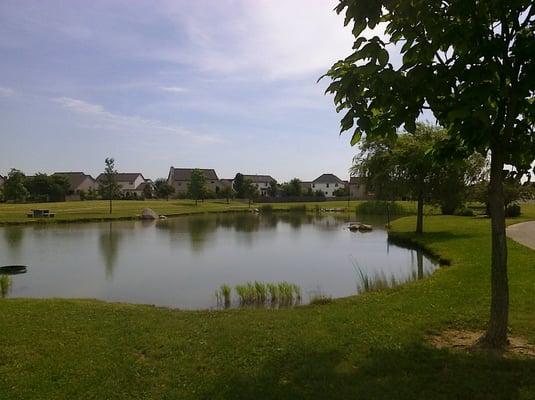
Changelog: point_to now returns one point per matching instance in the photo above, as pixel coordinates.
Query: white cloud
(174, 89)
(6, 91)
(102, 118)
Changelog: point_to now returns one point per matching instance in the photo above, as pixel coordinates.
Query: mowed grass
(363, 347)
(123, 209)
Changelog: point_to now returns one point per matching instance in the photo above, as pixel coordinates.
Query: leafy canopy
(469, 62)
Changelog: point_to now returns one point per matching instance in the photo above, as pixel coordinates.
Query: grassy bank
(367, 347)
(97, 210)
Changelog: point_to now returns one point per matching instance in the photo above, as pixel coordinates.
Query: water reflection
(109, 242)
(183, 261)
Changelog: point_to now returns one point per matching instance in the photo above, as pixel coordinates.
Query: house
(131, 184)
(357, 189)
(262, 182)
(328, 184)
(79, 183)
(179, 178)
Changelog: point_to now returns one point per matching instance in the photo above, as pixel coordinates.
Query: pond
(180, 262)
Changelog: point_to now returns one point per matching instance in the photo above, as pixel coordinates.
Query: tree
(292, 188)
(14, 189)
(163, 189)
(273, 189)
(471, 63)
(226, 193)
(238, 185)
(147, 191)
(250, 190)
(197, 185)
(109, 188)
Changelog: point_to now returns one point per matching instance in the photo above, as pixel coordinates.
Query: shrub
(465, 212)
(512, 210)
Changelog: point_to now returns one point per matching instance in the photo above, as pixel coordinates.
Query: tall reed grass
(275, 294)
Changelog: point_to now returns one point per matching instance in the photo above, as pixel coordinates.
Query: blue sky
(227, 84)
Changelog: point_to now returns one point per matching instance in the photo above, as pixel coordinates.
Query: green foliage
(275, 294)
(108, 187)
(377, 207)
(342, 192)
(292, 188)
(273, 189)
(224, 296)
(197, 185)
(238, 185)
(249, 190)
(148, 191)
(14, 188)
(512, 210)
(162, 189)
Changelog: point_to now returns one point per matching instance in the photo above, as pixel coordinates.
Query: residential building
(358, 189)
(180, 178)
(129, 183)
(328, 184)
(79, 182)
(262, 182)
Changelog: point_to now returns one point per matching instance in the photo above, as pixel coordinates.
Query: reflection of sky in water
(181, 261)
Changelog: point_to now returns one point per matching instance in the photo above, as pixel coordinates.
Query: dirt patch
(466, 340)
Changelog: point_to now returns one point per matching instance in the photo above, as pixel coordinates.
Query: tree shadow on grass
(413, 372)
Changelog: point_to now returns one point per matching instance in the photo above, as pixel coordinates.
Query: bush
(513, 210)
(465, 212)
(266, 208)
(380, 208)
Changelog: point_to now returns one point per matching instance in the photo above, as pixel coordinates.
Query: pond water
(180, 262)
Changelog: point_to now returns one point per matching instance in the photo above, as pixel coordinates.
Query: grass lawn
(99, 209)
(363, 347)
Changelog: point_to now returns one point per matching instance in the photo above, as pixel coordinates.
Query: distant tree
(14, 189)
(59, 187)
(292, 188)
(273, 189)
(407, 167)
(470, 63)
(163, 189)
(197, 185)
(109, 188)
(238, 185)
(341, 192)
(250, 190)
(226, 193)
(147, 191)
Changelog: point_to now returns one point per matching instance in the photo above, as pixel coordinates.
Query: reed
(224, 296)
(273, 290)
(276, 294)
(5, 286)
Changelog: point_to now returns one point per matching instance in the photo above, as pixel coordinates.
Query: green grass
(97, 210)
(363, 347)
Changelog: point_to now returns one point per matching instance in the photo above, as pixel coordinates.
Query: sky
(226, 84)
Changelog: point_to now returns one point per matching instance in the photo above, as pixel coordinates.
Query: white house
(328, 184)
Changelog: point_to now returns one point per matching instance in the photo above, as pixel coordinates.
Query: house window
(313, 185)
(327, 185)
(212, 182)
(326, 193)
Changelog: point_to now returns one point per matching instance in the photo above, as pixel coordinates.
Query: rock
(149, 214)
(365, 228)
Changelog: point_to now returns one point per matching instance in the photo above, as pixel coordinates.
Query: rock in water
(148, 214)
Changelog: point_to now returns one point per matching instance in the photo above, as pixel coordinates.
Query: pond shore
(369, 346)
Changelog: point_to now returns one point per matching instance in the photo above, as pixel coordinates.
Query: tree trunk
(420, 215)
(496, 335)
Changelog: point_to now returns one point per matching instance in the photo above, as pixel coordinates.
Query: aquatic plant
(273, 290)
(5, 286)
(277, 294)
(223, 296)
(260, 292)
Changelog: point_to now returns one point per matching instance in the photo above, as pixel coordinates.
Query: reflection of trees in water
(201, 227)
(109, 240)
(5, 286)
(14, 236)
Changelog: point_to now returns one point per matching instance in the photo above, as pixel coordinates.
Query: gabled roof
(327, 178)
(75, 178)
(259, 178)
(184, 174)
(123, 176)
